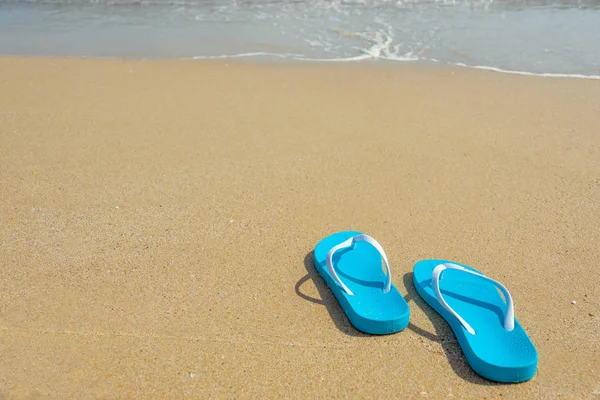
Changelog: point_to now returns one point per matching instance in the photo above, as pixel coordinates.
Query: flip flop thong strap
(509, 317)
(349, 243)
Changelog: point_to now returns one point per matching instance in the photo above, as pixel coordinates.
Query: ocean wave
(544, 42)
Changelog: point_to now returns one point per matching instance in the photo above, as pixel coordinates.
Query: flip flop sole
(493, 352)
(370, 310)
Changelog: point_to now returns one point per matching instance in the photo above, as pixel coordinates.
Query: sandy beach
(157, 222)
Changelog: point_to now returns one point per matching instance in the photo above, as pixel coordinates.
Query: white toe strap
(509, 318)
(349, 243)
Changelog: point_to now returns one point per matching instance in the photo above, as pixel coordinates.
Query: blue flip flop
(366, 294)
(493, 341)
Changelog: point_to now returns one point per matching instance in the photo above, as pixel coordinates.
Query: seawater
(544, 37)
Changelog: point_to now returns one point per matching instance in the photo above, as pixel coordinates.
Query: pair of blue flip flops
(492, 340)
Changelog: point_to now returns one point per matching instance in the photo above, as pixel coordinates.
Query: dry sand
(157, 222)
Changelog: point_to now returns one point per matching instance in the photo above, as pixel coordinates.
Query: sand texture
(157, 222)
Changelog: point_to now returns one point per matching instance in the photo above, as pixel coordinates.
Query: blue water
(559, 37)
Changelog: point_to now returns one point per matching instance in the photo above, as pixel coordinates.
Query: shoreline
(275, 58)
(157, 222)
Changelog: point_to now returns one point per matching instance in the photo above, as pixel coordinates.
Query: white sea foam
(382, 48)
(397, 58)
(544, 74)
